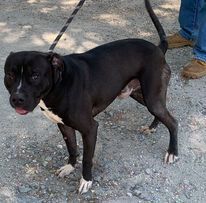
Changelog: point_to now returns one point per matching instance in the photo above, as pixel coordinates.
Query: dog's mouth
(21, 111)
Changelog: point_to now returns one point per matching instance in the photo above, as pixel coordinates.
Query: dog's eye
(10, 76)
(35, 76)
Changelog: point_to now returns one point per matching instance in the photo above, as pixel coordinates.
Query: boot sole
(179, 45)
(192, 75)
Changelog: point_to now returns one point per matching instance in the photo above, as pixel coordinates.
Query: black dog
(73, 89)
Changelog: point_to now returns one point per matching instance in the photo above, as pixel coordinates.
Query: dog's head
(30, 76)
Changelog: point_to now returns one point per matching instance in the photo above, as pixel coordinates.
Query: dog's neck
(49, 114)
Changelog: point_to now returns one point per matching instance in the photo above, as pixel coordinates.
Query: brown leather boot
(195, 69)
(177, 41)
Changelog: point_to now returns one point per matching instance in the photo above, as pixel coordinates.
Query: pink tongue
(21, 111)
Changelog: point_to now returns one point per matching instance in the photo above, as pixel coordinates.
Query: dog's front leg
(89, 141)
(70, 140)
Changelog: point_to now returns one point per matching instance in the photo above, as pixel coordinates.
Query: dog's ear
(57, 64)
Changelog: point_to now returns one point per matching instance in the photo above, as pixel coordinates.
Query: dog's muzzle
(17, 101)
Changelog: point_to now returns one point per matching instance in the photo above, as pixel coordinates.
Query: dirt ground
(128, 165)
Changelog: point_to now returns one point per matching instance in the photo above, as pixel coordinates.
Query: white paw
(170, 158)
(65, 170)
(84, 186)
(146, 130)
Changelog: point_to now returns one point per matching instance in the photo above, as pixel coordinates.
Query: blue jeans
(192, 19)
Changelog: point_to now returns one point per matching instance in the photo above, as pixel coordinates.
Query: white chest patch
(49, 114)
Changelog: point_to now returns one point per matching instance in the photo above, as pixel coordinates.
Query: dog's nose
(17, 99)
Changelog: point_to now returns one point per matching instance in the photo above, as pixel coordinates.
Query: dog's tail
(163, 39)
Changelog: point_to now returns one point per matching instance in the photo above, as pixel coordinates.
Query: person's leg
(188, 20)
(200, 46)
(197, 68)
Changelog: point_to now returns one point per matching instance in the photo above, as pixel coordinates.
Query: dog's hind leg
(154, 93)
(70, 140)
(137, 96)
(165, 117)
(151, 128)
